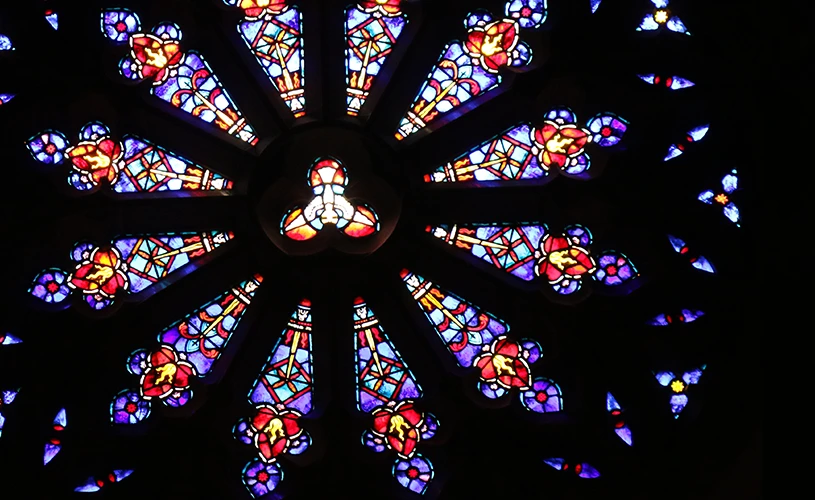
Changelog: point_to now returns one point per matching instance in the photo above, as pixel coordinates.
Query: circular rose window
(375, 249)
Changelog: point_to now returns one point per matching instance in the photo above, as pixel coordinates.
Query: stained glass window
(470, 68)
(679, 386)
(724, 197)
(54, 444)
(52, 18)
(94, 484)
(671, 82)
(134, 166)
(372, 29)
(281, 395)
(694, 135)
(273, 31)
(662, 16)
(527, 194)
(388, 391)
(180, 78)
(128, 265)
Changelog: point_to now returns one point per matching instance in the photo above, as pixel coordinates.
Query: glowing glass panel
(181, 78)
(371, 32)
(464, 328)
(724, 197)
(662, 16)
(671, 82)
(52, 18)
(583, 470)
(127, 265)
(697, 261)
(187, 349)
(329, 207)
(275, 37)
(94, 484)
(54, 445)
(136, 167)
(506, 157)
(382, 375)
(679, 386)
(530, 251)
(451, 83)
(615, 411)
(7, 398)
(9, 339)
(286, 378)
(595, 4)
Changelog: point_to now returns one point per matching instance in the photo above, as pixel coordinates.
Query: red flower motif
(387, 7)
(559, 258)
(165, 374)
(154, 56)
(274, 431)
(100, 273)
(504, 364)
(559, 143)
(97, 160)
(493, 44)
(253, 9)
(401, 426)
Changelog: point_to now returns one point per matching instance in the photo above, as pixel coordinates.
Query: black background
(76, 360)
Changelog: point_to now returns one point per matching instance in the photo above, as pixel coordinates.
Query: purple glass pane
(129, 408)
(678, 402)
(582, 233)
(533, 348)
(119, 24)
(261, 479)
(608, 129)
(543, 397)
(137, 362)
(93, 131)
(48, 147)
(492, 391)
(375, 443)
(243, 432)
(561, 115)
(50, 286)
(431, 424)
(178, 399)
(414, 474)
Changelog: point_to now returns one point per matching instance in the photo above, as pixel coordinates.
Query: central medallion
(329, 207)
(335, 192)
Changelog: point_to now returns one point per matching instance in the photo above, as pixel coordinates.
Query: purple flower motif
(50, 286)
(614, 269)
(48, 147)
(261, 478)
(414, 474)
(543, 397)
(129, 408)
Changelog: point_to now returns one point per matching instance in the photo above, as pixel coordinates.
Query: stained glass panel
(371, 31)
(273, 31)
(186, 350)
(182, 79)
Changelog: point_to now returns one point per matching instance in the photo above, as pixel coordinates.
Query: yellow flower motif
(677, 386)
(661, 16)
